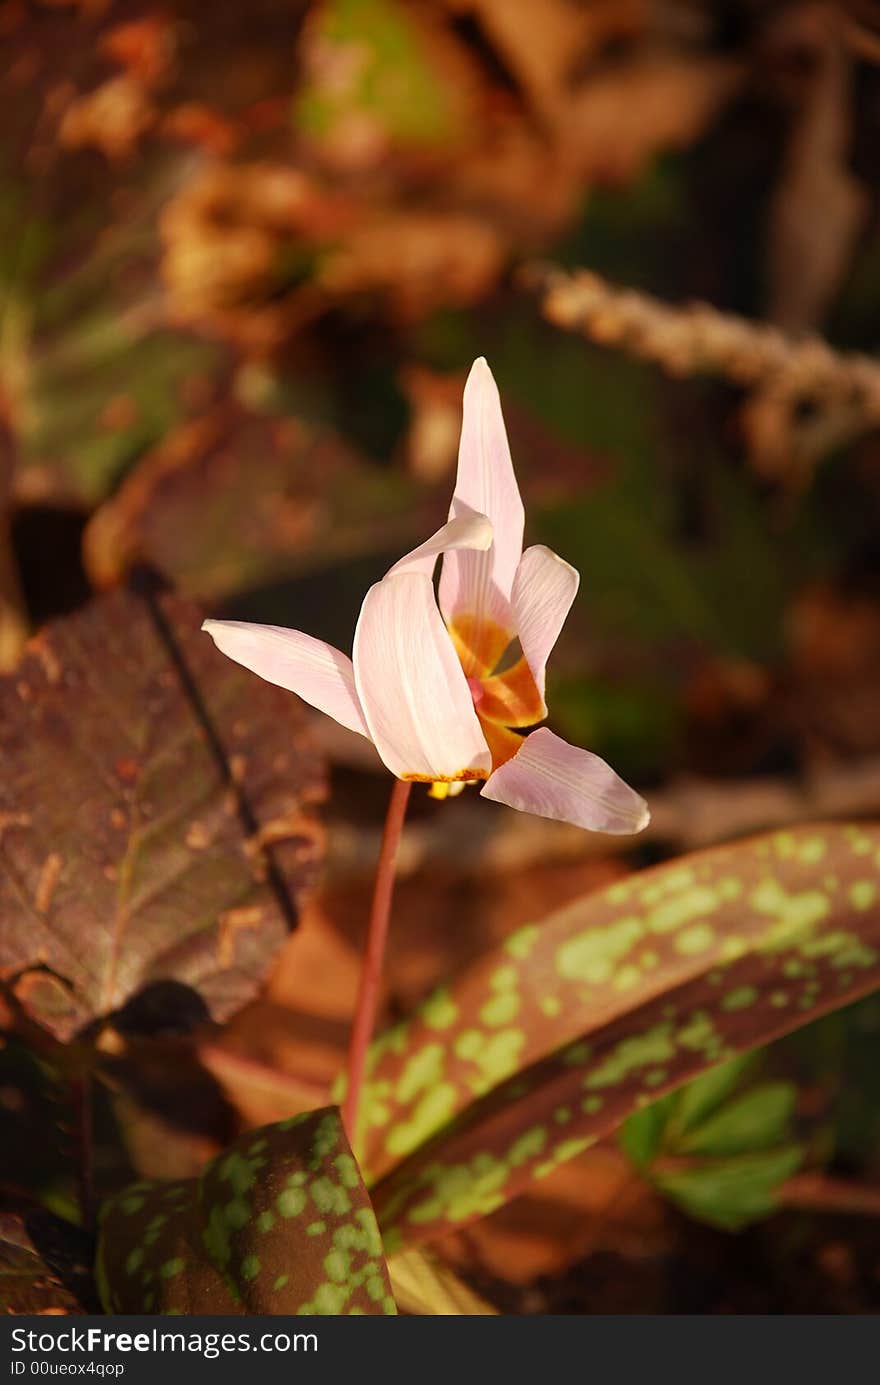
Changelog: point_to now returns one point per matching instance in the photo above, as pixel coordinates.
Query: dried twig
(687, 814)
(819, 1192)
(697, 338)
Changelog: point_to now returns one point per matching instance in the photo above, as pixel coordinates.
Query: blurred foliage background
(247, 253)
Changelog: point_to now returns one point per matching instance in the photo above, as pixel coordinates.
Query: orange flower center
(502, 700)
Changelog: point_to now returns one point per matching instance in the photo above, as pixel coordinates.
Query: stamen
(445, 788)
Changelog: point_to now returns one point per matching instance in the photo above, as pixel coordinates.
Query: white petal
(543, 589)
(467, 530)
(481, 583)
(553, 779)
(411, 686)
(315, 671)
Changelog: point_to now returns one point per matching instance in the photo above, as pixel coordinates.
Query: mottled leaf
(279, 1223)
(574, 1023)
(44, 1266)
(155, 820)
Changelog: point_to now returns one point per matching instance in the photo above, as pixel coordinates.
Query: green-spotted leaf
(157, 827)
(532, 1053)
(278, 1223)
(44, 1266)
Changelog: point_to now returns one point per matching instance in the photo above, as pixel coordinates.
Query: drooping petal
(480, 584)
(543, 589)
(315, 671)
(467, 530)
(553, 779)
(411, 686)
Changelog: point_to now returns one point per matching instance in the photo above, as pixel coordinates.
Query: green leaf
(730, 1193)
(755, 1120)
(157, 827)
(278, 1223)
(372, 67)
(550, 1041)
(707, 1092)
(718, 1152)
(642, 1135)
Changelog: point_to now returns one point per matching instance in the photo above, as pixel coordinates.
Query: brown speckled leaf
(535, 1051)
(44, 1266)
(279, 1223)
(235, 500)
(156, 819)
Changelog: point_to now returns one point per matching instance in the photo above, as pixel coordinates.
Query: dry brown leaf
(819, 207)
(625, 115)
(416, 261)
(142, 772)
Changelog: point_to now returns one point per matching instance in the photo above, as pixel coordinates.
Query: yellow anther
(444, 788)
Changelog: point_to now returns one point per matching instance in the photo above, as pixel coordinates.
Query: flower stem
(371, 973)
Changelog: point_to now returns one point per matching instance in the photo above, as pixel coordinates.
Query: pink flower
(423, 683)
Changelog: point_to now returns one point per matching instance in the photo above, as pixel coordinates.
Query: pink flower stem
(371, 973)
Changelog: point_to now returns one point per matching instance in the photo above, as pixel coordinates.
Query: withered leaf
(44, 1266)
(156, 822)
(235, 500)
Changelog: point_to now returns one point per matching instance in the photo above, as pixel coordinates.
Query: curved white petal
(543, 589)
(315, 671)
(411, 685)
(467, 530)
(553, 779)
(480, 583)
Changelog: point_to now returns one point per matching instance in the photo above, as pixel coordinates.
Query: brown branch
(818, 1192)
(697, 339)
(686, 814)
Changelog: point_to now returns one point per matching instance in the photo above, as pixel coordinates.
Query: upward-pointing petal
(543, 589)
(553, 779)
(466, 530)
(315, 671)
(411, 685)
(480, 584)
